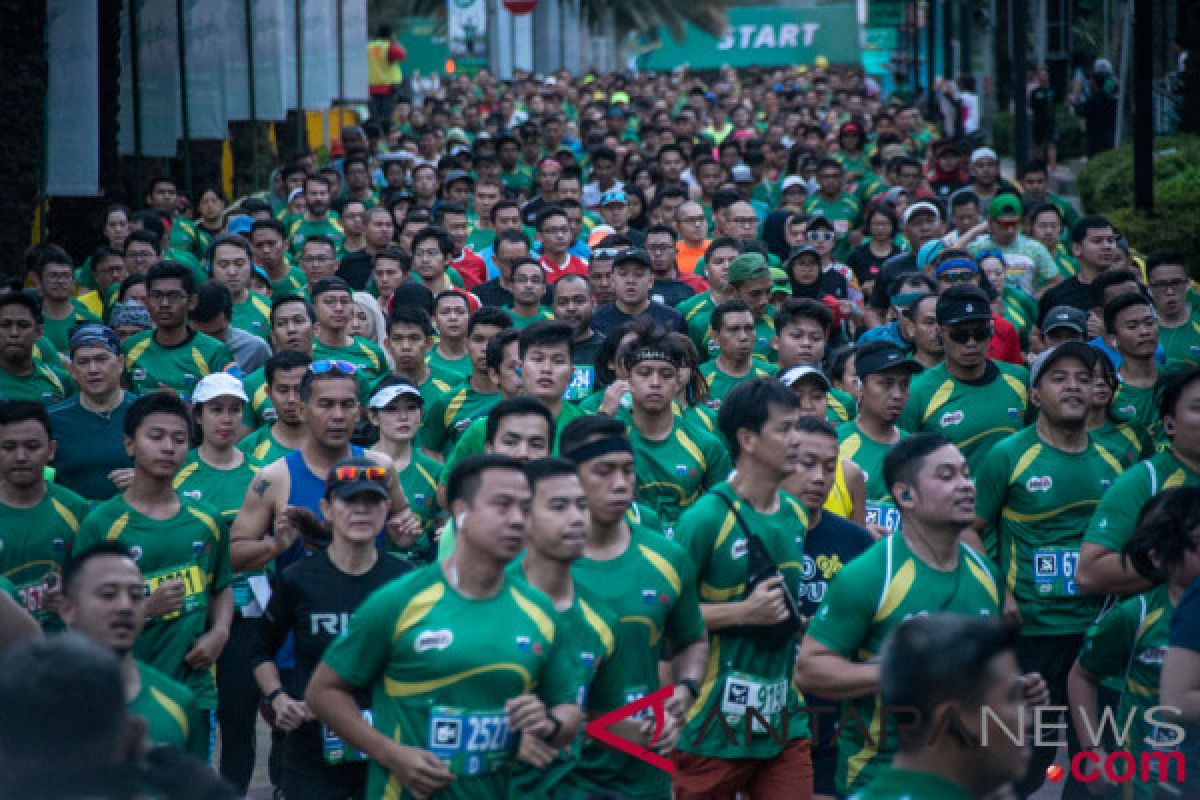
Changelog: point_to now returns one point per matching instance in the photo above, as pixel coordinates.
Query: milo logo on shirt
(194, 494)
(738, 549)
(138, 373)
(433, 640)
(952, 418)
(1154, 656)
(1130, 410)
(1039, 483)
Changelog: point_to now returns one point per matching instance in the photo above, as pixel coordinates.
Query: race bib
(743, 692)
(632, 695)
(1054, 571)
(885, 515)
(582, 378)
(195, 588)
(335, 751)
(471, 742)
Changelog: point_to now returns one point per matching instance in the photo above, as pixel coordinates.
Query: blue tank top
(306, 491)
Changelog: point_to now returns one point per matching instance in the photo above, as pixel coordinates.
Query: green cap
(1004, 205)
(748, 267)
(782, 282)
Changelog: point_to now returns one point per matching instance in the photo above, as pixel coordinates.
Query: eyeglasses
(1168, 286)
(976, 333)
(352, 473)
(326, 366)
(821, 236)
(745, 220)
(166, 297)
(961, 276)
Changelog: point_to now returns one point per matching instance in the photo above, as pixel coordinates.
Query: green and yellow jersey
(521, 322)
(363, 353)
(170, 711)
(302, 228)
(295, 282)
(253, 315)
(419, 480)
(674, 471)
(1181, 344)
(36, 541)
(868, 454)
(149, 366)
(1116, 515)
(262, 447)
(48, 383)
(58, 331)
(720, 382)
(452, 413)
(450, 371)
(1125, 440)
(841, 407)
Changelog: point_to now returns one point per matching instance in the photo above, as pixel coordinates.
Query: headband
(600, 447)
(955, 263)
(636, 357)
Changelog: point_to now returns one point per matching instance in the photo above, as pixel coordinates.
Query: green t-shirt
(1139, 405)
(520, 179)
(868, 454)
(521, 322)
(1116, 516)
(1021, 310)
(440, 668)
(419, 480)
(363, 353)
(473, 440)
(974, 416)
(652, 589)
(674, 472)
(302, 228)
(36, 541)
(721, 383)
(452, 413)
(262, 446)
(184, 235)
(295, 282)
(260, 410)
(253, 315)
(149, 366)
(1182, 343)
(903, 784)
(192, 546)
(701, 333)
(58, 331)
(1038, 500)
(589, 633)
(742, 673)
(1128, 643)
(48, 384)
(449, 371)
(1125, 441)
(841, 406)
(868, 598)
(171, 714)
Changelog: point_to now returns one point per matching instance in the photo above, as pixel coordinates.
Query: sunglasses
(352, 473)
(322, 367)
(962, 335)
(821, 236)
(962, 276)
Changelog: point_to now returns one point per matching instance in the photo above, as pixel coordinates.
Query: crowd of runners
(536, 397)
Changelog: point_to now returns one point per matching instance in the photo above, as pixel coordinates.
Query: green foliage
(1106, 187)
(1070, 139)
(22, 107)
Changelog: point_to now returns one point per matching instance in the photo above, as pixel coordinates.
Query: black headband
(600, 447)
(648, 354)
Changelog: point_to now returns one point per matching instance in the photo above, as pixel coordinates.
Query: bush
(1070, 138)
(1106, 187)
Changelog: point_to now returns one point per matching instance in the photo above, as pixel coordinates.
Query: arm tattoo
(260, 486)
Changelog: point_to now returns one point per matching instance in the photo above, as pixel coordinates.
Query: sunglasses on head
(324, 366)
(962, 276)
(960, 334)
(353, 473)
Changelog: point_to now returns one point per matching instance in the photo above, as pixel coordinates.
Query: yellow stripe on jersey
(1023, 464)
(137, 351)
(1126, 431)
(663, 566)
(453, 406)
(856, 762)
(1010, 580)
(64, 512)
(1016, 516)
(970, 440)
(260, 305)
(938, 400)
(49, 375)
(417, 608)
(800, 510)
(649, 623)
(370, 354)
(261, 451)
(1137, 688)
(686, 443)
(171, 707)
(1177, 478)
(1148, 622)
(208, 521)
(397, 688)
(198, 360)
(981, 574)
(838, 407)
(850, 446)
(441, 385)
(1016, 385)
(1109, 458)
(118, 527)
(712, 670)
(260, 396)
(599, 626)
(544, 624)
(425, 474)
(711, 594)
(184, 474)
(725, 529)
(897, 590)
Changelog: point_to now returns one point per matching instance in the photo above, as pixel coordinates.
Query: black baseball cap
(881, 355)
(352, 476)
(634, 255)
(1072, 349)
(334, 284)
(963, 303)
(1065, 317)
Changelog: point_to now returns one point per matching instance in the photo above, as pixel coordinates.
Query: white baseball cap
(218, 384)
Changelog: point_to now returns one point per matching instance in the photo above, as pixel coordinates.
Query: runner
(332, 340)
(104, 598)
(453, 411)
(450, 359)
(734, 330)
(22, 375)
(646, 580)
(475, 659)
(283, 374)
(312, 602)
(1133, 325)
(745, 538)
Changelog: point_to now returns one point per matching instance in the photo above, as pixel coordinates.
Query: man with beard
(317, 219)
(574, 305)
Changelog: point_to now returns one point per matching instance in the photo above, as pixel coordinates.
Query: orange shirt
(686, 256)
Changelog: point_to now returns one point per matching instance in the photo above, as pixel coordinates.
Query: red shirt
(470, 267)
(1006, 344)
(693, 282)
(574, 265)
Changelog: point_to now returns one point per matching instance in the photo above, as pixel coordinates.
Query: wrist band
(691, 686)
(274, 693)
(557, 727)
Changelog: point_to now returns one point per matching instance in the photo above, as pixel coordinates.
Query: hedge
(1070, 139)
(1106, 187)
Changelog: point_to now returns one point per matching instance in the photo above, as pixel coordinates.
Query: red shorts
(787, 776)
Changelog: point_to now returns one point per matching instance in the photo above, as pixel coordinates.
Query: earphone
(460, 519)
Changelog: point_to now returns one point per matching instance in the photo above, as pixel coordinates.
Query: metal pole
(1143, 118)
(302, 130)
(1020, 42)
(136, 80)
(180, 42)
(966, 38)
(249, 11)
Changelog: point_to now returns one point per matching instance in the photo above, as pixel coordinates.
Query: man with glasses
(1029, 266)
(554, 236)
(1178, 329)
(741, 221)
(317, 219)
(692, 226)
(970, 399)
(61, 310)
(172, 355)
(318, 258)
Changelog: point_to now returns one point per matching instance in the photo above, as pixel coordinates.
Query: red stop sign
(520, 6)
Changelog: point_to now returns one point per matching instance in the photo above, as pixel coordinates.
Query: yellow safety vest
(380, 71)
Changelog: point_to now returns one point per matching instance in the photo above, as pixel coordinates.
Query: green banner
(764, 36)
(425, 40)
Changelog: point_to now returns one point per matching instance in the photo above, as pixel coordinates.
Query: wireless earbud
(460, 519)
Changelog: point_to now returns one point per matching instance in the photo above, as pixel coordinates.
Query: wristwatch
(691, 686)
(270, 698)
